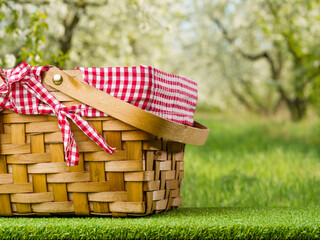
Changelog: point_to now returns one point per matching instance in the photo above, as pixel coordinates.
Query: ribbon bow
(16, 75)
(30, 81)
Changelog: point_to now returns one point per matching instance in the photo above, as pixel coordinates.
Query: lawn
(253, 162)
(254, 178)
(184, 223)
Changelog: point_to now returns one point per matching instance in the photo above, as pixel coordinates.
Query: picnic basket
(143, 176)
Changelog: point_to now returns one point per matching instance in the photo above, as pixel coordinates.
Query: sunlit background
(256, 62)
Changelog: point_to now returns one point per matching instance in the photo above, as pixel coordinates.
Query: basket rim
(132, 115)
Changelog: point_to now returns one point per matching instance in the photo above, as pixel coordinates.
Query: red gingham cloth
(168, 96)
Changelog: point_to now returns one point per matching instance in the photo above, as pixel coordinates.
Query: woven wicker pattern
(142, 177)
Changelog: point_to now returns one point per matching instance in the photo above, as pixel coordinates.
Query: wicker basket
(143, 176)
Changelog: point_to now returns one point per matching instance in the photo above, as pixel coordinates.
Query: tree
(71, 33)
(284, 35)
(261, 54)
(22, 34)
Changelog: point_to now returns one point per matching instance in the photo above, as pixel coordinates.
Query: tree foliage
(272, 46)
(22, 34)
(69, 33)
(261, 54)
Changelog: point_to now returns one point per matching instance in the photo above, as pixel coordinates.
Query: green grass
(253, 162)
(210, 223)
(250, 163)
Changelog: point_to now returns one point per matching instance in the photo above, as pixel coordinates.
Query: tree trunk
(298, 109)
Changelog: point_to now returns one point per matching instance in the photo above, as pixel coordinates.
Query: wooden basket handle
(126, 112)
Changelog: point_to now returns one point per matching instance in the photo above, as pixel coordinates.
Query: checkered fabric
(166, 95)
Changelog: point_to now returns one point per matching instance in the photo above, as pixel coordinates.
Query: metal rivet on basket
(57, 79)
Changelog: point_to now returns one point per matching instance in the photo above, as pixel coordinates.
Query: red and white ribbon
(25, 77)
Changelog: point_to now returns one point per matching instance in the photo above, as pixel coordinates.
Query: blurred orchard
(262, 56)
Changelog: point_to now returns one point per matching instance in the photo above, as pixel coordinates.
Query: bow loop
(18, 74)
